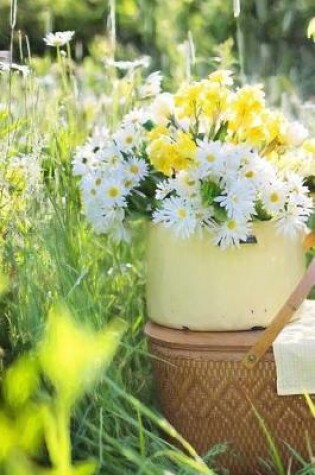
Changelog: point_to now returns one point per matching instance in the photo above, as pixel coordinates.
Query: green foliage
(270, 38)
(70, 358)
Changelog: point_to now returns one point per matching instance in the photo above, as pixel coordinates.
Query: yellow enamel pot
(194, 284)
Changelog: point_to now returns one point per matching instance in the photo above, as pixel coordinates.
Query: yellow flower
(157, 132)
(8, 436)
(245, 105)
(172, 154)
(256, 135)
(309, 146)
(216, 100)
(21, 381)
(72, 356)
(189, 99)
(221, 76)
(185, 145)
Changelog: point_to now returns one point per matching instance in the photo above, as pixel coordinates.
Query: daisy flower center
(190, 181)
(232, 225)
(129, 139)
(98, 181)
(210, 158)
(113, 159)
(181, 213)
(250, 174)
(113, 192)
(274, 197)
(134, 169)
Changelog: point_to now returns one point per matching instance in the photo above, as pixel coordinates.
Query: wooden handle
(282, 318)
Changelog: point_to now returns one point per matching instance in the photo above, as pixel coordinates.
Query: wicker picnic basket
(208, 396)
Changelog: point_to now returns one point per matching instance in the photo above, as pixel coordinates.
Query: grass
(50, 254)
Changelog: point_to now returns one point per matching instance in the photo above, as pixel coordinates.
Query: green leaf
(209, 191)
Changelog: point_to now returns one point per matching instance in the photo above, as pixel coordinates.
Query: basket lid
(187, 339)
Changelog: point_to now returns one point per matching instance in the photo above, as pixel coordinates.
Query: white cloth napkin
(294, 352)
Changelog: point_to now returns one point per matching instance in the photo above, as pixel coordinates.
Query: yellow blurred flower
(73, 356)
(21, 381)
(8, 436)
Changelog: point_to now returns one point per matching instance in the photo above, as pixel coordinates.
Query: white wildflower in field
(6, 66)
(152, 85)
(60, 38)
(143, 62)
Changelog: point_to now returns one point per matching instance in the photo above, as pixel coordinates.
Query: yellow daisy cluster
(214, 109)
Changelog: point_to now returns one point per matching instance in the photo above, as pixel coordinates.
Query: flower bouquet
(214, 169)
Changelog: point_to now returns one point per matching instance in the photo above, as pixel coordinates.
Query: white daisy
(136, 117)
(99, 137)
(136, 169)
(96, 216)
(233, 158)
(178, 214)
(295, 185)
(164, 188)
(113, 192)
(274, 197)
(238, 200)
(186, 184)
(292, 222)
(92, 188)
(126, 138)
(230, 233)
(209, 156)
(111, 156)
(85, 160)
(60, 38)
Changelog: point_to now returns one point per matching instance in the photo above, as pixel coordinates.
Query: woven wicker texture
(208, 396)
